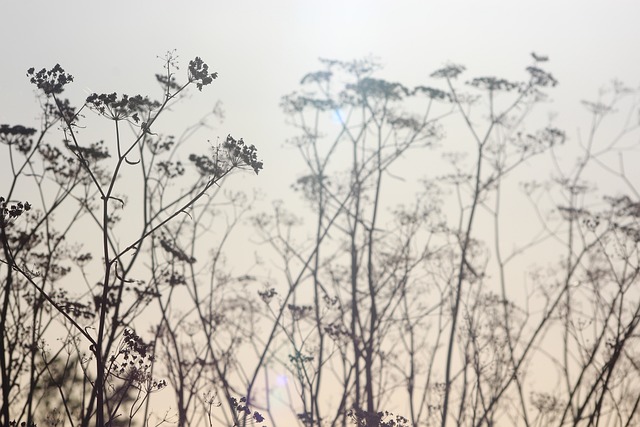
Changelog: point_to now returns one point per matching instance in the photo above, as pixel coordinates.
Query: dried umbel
(114, 108)
(232, 153)
(18, 136)
(8, 213)
(199, 73)
(51, 82)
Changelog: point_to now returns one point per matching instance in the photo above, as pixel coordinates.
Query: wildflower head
(51, 82)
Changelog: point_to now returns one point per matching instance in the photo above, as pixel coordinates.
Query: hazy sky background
(262, 48)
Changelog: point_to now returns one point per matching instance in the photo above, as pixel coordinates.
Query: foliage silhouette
(102, 373)
(403, 283)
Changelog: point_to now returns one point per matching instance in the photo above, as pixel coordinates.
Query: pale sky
(262, 48)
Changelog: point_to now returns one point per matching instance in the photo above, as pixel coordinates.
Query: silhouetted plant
(109, 378)
(424, 306)
(393, 292)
